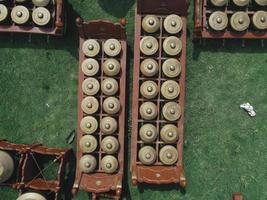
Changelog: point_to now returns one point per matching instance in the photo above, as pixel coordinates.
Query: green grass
(225, 149)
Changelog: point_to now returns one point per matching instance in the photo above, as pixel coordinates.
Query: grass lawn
(225, 149)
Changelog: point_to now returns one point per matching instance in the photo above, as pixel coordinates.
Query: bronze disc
(20, 14)
(112, 47)
(149, 67)
(168, 155)
(90, 105)
(91, 48)
(41, 16)
(90, 67)
(149, 45)
(3, 12)
(110, 145)
(173, 24)
(6, 166)
(111, 67)
(218, 21)
(88, 144)
(150, 23)
(170, 89)
(171, 68)
(240, 21)
(149, 89)
(108, 125)
(90, 86)
(261, 2)
(40, 3)
(109, 86)
(147, 155)
(219, 3)
(171, 111)
(148, 110)
(241, 2)
(31, 196)
(172, 45)
(169, 133)
(89, 124)
(87, 163)
(148, 133)
(111, 105)
(109, 164)
(259, 20)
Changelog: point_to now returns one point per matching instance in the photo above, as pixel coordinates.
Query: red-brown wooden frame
(24, 179)
(158, 174)
(57, 24)
(111, 184)
(201, 31)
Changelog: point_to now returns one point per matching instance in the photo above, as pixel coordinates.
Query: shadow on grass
(69, 41)
(127, 141)
(229, 46)
(142, 187)
(70, 177)
(117, 8)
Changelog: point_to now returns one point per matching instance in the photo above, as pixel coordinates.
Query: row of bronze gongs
(91, 47)
(38, 3)
(220, 3)
(21, 15)
(90, 105)
(239, 21)
(171, 111)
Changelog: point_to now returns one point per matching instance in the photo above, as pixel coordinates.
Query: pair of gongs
(171, 111)
(172, 24)
(149, 45)
(220, 3)
(239, 21)
(168, 155)
(168, 133)
(170, 89)
(170, 68)
(90, 105)
(91, 47)
(90, 67)
(109, 144)
(88, 163)
(31, 196)
(20, 15)
(91, 86)
(108, 125)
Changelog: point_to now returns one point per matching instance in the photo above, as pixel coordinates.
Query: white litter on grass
(47, 105)
(249, 108)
